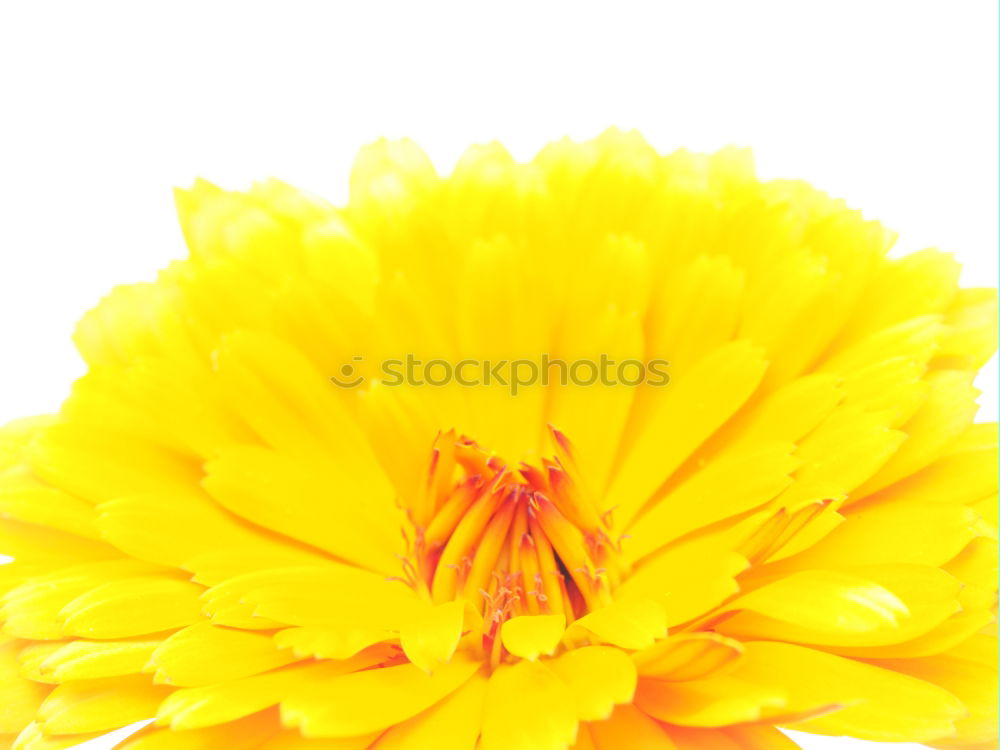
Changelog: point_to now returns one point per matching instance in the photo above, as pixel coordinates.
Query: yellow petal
(386, 168)
(85, 660)
(318, 595)
(729, 375)
(755, 737)
(928, 596)
(789, 413)
(902, 531)
(825, 600)
(972, 683)
(948, 411)
(976, 567)
(697, 309)
(527, 708)
(709, 496)
(99, 705)
(665, 577)
(203, 654)
(19, 697)
(840, 454)
(136, 525)
(98, 464)
(32, 738)
(877, 704)
(950, 633)
(686, 738)
(631, 624)
(598, 677)
(218, 703)
(616, 333)
(914, 339)
(979, 649)
(962, 475)
(893, 385)
(432, 639)
(628, 727)
(32, 609)
(24, 497)
(297, 412)
(293, 740)
(32, 656)
(531, 636)
(18, 436)
(584, 739)
(970, 339)
(688, 656)
(262, 486)
(330, 641)
(236, 735)
(747, 737)
(402, 430)
(452, 724)
(373, 699)
(133, 606)
(49, 547)
(712, 702)
(920, 283)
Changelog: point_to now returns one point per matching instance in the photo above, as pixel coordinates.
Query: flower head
(396, 475)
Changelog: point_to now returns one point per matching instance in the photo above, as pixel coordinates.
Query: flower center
(524, 540)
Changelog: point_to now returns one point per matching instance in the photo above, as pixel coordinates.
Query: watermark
(513, 374)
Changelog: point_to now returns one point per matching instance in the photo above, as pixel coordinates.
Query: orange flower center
(524, 540)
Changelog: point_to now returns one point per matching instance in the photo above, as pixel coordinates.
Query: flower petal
(628, 727)
(431, 639)
(709, 496)
(716, 701)
(599, 678)
(527, 708)
(203, 654)
(320, 595)
(242, 734)
(330, 641)
(452, 724)
(99, 705)
(88, 660)
(32, 608)
(531, 636)
(877, 704)
(825, 600)
(292, 496)
(373, 699)
(688, 656)
(666, 577)
(922, 533)
(133, 606)
(948, 411)
(921, 598)
(19, 697)
(219, 703)
(972, 683)
(702, 400)
(631, 624)
(210, 535)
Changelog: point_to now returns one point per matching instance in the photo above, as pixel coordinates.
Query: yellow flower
(279, 512)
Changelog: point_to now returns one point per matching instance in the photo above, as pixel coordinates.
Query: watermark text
(512, 374)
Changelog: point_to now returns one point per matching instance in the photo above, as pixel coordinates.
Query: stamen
(530, 541)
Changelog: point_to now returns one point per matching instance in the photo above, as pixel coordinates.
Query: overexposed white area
(891, 104)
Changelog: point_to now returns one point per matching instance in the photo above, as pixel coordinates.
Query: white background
(105, 106)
